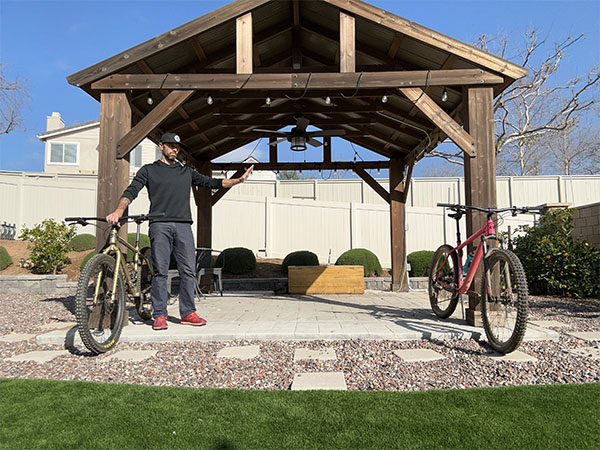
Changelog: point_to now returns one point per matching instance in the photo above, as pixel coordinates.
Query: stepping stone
(242, 352)
(548, 323)
(38, 356)
(516, 356)
(319, 381)
(16, 337)
(58, 325)
(325, 354)
(587, 352)
(132, 355)
(419, 354)
(586, 335)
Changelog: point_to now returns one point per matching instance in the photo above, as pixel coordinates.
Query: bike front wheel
(443, 282)
(99, 313)
(505, 301)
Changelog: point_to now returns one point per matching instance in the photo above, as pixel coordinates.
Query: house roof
(67, 130)
(300, 37)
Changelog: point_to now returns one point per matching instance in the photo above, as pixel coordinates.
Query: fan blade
(302, 123)
(339, 132)
(278, 141)
(281, 133)
(314, 142)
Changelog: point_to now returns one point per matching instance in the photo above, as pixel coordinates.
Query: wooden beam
(395, 45)
(327, 149)
(203, 199)
(430, 37)
(440, 118)
(272, 150)
(406, 186)
(243, 39)
(290, 108)
(221, 192)
(151, 121)
(113, 174)
(347, 43)
(195, 43)
(398, 226)
(373, 183)
(337, 165)
(297, 81)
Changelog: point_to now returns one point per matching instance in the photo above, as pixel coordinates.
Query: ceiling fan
(298, 136)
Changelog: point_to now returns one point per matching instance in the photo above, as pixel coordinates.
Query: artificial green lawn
(55, 414)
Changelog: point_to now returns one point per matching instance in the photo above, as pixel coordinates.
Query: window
(63, 153)
(135, 157)
(157, 153)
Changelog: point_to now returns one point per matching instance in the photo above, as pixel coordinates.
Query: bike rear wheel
(100, 314)
(443, 282)
(505, 301)
(143, 303)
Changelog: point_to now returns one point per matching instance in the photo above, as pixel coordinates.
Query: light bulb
(209, 100)
(268, 100)
(328, 100)
(378, 171)
(384, 99)
(149, 98)
(445, 95)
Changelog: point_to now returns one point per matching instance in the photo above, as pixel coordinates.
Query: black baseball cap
(171, 138)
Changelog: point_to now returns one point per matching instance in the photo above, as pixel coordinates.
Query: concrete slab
(516, 356)
(325, 354)
(586, 335)
(58, 325)
(132, 355)
(319, 381)
(419, 354)
(16, 337)
(240, 352)
(548, 323)
(586, 352)
(38, 356)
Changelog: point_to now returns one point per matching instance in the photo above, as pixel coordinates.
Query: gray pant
(175, 237)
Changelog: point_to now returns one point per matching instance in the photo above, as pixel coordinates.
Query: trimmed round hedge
(83, 242)
(144, 242)
(5, 259)
(86, 259)
(420, 262)
(300, 258)
(361, 257)
(236, 260)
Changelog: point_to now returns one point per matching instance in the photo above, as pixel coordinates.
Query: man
(169, 184)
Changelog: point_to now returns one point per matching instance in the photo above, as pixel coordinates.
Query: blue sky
(45, 41)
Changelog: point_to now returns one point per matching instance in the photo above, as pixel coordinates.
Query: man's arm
(229, 182)
(139, 181)
(113, 218)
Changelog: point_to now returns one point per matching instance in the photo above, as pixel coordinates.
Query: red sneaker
(193, 319)
(160, 323)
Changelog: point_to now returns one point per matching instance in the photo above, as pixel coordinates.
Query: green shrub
(83, 242)
(361, 257)
(144, 242)
(300, 258)
(420, 262)
(554, 262)
(238, 260)
(86, 259)
(49, 244)
(5, 259)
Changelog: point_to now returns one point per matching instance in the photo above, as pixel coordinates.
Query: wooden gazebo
(395, 87)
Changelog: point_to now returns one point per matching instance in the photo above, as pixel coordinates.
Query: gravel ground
(367, 365)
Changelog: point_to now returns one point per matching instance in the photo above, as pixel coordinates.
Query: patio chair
(204, 267)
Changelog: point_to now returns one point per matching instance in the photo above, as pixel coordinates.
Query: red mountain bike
(504, 296)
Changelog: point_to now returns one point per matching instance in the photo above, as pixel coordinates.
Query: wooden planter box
(326, 280)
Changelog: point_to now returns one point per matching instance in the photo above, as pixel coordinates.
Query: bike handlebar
(462, 209)
(139, 218)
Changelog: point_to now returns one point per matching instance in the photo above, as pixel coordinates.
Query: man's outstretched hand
(247, 173)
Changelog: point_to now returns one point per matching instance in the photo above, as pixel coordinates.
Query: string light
(445, 95)
(268, 100)
(384, 99)
(149, 99)
(209, 100)
(328, 100)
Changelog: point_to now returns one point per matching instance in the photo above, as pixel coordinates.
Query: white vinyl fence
(274, 225)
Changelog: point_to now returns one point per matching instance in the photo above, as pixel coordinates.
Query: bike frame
(464, 283)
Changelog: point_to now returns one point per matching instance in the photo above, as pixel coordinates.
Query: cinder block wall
(586, 223)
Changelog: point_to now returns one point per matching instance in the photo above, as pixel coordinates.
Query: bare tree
(575, 150)
(530, 111)
(13, 98)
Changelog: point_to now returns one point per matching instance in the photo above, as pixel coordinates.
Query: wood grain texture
(326, 280)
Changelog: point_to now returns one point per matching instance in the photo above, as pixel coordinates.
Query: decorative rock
(241, 352)
(548, 323)
(586, 335)
(516, 356)
(587, 352)
(419, 354)
(132, 355)
(325, 354)
(319, 381)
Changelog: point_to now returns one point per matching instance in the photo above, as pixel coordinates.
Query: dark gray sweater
(169, 188)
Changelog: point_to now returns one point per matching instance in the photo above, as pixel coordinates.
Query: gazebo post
(480, 174)
(113, 173)
(398, 225)
(203, 200)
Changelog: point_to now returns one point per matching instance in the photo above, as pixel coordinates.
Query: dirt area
(265, 268)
